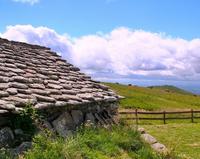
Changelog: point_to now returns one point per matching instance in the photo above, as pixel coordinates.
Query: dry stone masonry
(35, 74)
(155, 145)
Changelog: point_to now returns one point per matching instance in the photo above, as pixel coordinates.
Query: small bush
(25, 120)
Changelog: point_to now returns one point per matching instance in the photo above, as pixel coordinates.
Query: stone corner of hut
(35, 74)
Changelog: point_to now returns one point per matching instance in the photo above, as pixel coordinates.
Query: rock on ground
(148, 138)
(6, 137)
(159, 147)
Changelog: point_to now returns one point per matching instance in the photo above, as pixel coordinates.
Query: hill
(155, 97)
(172, 89)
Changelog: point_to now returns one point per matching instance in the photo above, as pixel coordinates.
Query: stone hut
(36, 75)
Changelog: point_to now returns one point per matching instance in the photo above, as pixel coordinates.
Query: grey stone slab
(6, 137)
(4, 94)
(44, 98)
(3, 112)
(40, 92)
(44, 105)
(159, 147)
(37, 86)
(7, 106)
(64, 124)
(18, 85)
(12, 91)
(77, 116)
(54, 86)
(148, 138)
(4, 79)
(20, 79)
(110, 98)
(3, 86)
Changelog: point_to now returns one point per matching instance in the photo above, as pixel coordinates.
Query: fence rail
(190, 115)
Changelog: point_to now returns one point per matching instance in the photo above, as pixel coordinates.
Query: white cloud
(41, 36)
(27, 1)
(122, 52)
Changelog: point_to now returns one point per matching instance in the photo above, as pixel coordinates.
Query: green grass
(183, 138)
(171, 89)
(156, 98)
(180, 136)
(120, 142)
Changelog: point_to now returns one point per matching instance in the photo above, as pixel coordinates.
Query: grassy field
(180, 136)
(156, 98)
(183, 138)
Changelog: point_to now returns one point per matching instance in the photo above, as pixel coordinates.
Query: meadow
(155, 98)
(180, 136)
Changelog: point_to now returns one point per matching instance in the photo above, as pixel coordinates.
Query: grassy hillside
(181, 137)
(171, 89)
(156, 98)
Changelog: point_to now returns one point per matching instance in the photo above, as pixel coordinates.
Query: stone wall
(64, 121)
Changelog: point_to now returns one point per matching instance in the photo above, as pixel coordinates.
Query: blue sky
(178, 18)
(143, 42)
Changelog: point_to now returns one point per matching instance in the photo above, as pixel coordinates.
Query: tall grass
(120, 142)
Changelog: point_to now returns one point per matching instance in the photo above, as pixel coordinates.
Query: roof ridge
(33, 46)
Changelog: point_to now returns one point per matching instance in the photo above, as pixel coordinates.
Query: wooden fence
(135, 115)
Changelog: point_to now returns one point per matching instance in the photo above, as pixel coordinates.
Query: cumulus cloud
(40, 36)
(27, 1)
(121, 53)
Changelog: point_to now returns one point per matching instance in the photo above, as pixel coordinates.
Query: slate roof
(35, 74)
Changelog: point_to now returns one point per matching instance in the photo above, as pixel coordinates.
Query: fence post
(136, 116)
(164, 117)
(192, 115)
